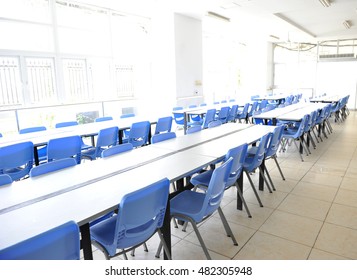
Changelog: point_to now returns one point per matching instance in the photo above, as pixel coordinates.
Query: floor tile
(263, 246)
(306, 207)
(343, 215)
(316, 191)
(292, 227)
(337, 240)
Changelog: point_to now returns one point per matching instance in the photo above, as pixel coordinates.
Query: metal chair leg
(277, 164)
(254, 189)
(227, 227)
(243, 200)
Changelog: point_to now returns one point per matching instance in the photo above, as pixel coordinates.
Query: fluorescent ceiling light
(347, 24)
(215, 15)
(325, 3)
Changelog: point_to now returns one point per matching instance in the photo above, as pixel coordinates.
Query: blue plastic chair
(5, 179)
(32, 129)
(195, 207)
(209, 117)
(0, 134)
(104, 119)
(252, 162)
(41, 151)
(16, 160)
(117, 149)
(193, 129)
(179, 118)
(252, 109)
(52, 166)
(238, 154)
(163, 124)
(214, 123)
(195, 118)
(129, 115)
(243, 115)
(140, 215)
(232, 117)
(223, 114)
(59, 243)
(125, 116)
(271, 151)
(72, 123)
(64, 147)
(66, 124)
(295, 133)
(162, 137)
(107, 137)
(262, 104)
(139, 134)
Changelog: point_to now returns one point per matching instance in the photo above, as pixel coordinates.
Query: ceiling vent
(337, 57)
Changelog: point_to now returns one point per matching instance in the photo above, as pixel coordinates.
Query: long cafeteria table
(84, 192)
(41, 138)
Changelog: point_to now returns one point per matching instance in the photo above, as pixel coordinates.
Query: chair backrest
(32, 129)
(0, 134)
(5, 179)
(140, 214)
(233, 113)
(139, 133)
(223, 114)
(244, 113)
(107, 137)
(103, 119)
(162, 137)
(64, 147)
(263, 104)
(117, 149)
(215, 190)
(193, 129)
(214, 123)
(274, 141)
(65, 124)
(253, 108)
(52, 166)
(179, 118)
(259, 155)
(300, 129)
(238, 154)
(16, 160)
(129, 115)
(163, 124)
(254, 97)
(210, 116)
(59, 243)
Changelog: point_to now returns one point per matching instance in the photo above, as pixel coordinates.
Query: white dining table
(91, 189)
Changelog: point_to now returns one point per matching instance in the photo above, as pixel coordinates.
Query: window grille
(40, 72)
(75, 80)
(10, 86)
(124, 79)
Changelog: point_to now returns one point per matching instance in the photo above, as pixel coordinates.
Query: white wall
(188, 60)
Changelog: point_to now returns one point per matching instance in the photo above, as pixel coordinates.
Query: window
(70, 52)
(76, 80)
(10, 86)
(40, 72)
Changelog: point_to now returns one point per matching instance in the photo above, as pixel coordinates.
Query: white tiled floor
(311, 215)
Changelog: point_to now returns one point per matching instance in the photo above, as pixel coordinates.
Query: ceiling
(279, 20)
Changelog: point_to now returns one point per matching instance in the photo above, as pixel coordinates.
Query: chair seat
(104, 231)
(187, 203)
(202, 178)
(91, 153)
(249, 160)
